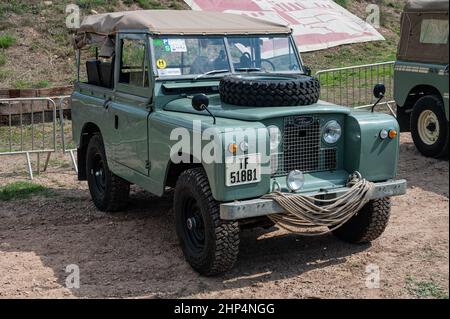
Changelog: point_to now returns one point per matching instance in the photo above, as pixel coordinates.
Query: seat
(93, 74)
(106, 74)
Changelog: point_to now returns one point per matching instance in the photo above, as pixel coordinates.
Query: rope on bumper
(310, 212)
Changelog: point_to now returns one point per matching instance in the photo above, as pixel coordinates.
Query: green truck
(220, 109)
(421, 76)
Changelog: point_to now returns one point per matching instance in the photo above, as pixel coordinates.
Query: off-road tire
(221, 238)
(114, 195)
(440, 147)
(269, 90)
(368, 224)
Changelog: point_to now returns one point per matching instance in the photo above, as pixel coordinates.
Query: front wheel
(368, 224)
(210, 245)
(429, 127)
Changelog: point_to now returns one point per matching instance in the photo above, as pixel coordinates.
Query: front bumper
(262, 207)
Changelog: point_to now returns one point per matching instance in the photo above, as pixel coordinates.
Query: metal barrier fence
(29, 126)
(352, 86)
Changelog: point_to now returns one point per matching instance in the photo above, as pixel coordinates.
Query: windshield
(195, 57)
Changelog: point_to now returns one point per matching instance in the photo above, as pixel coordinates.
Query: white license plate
(241, 170)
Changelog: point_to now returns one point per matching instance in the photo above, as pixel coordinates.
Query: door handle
(107, 104)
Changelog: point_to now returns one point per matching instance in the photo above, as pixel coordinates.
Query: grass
(342, 3)
(92, 4)
(42, 84)
(425, 289)
(6, 41)
(21, 190)
(18, 7)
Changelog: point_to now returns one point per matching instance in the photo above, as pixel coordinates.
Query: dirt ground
(135, 254)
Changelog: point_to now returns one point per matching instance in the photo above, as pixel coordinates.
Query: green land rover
(220, 110)
(421, 76)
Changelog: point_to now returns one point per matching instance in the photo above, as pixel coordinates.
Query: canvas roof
(175, 22)
(426, 6)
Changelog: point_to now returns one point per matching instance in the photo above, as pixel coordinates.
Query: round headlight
(295, 180)
(274, 136)
(332, 132)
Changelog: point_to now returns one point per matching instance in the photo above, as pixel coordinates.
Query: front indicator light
(233, 148)
(393, 134)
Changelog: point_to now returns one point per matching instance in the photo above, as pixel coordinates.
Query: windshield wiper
(248, 69)
(209, 73)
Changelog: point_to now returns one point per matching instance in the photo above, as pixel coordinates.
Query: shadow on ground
(136, 253)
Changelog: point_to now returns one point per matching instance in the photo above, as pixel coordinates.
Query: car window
(189, 56)
(434, 31)
(270, 54)
(133, 65)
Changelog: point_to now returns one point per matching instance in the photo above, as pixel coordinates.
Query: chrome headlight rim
(327, 137)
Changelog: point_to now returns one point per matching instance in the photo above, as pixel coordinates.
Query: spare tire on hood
(269, 90)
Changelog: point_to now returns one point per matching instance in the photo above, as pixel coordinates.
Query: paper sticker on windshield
(175, 45)
(169, 72)
(161, 64)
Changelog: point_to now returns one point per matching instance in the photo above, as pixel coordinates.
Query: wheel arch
(417, 92)
(88, 130)
(174, 170)
(404, 108)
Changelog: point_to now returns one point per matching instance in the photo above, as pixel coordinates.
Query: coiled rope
(310, 212)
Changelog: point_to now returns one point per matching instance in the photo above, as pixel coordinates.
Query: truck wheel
(429, 127)
(108, 191)
(269, 90)
(210, 245)
(368, 224)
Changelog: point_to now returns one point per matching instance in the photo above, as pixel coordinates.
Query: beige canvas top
(173, 22)
(426, 6)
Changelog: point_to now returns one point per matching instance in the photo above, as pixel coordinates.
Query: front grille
(301, 148)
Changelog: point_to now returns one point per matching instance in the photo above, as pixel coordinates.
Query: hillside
(36, 50)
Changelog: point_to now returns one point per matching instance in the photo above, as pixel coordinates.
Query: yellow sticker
(161, 64)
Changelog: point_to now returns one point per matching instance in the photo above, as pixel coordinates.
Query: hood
(223, 110)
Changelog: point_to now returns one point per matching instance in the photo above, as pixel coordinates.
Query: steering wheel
(268, 62)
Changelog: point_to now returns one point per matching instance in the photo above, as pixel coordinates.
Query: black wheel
(429, 127)
(210, 245)
(108, 191)
(368, 224)
(269, 90)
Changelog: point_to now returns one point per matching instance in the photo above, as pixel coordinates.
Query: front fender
(365, 151)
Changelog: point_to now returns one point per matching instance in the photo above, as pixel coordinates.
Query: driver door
(132, 102)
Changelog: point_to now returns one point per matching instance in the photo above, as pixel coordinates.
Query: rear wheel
(210, 245)
(108, 191)
(429, 127)
(368, 224)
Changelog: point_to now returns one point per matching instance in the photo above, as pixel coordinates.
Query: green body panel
(409, 75)
(136, 129)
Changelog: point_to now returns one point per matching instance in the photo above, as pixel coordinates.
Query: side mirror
(307, 70)
(200, 102)
(379, 91)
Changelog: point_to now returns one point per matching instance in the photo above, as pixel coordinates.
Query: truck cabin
(176, 45)
(424, 32)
